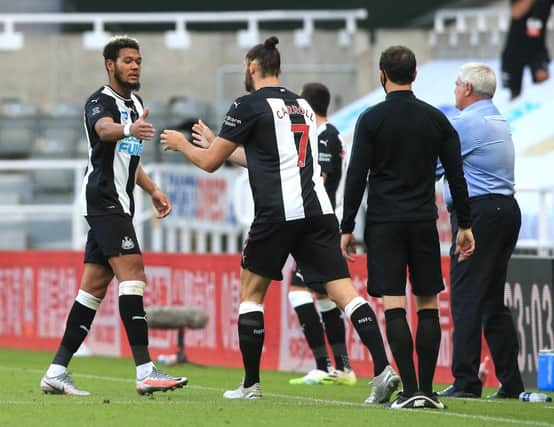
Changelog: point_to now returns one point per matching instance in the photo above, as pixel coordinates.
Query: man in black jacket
(399, 142)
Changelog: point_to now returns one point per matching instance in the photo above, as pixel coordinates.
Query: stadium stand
(59, 130)
(203, 88)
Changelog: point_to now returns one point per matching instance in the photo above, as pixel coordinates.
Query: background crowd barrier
(38, 288)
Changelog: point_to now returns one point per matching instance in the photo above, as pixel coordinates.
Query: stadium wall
(53, 68)
(37, 290)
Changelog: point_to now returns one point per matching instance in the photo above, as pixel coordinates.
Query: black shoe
(418, 400)
(502, 394)
(452, 391)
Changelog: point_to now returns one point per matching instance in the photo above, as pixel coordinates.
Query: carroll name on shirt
(294, 110)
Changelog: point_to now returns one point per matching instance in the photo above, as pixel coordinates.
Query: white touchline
(447, 413)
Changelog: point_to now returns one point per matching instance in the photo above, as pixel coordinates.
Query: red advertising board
(37, 290)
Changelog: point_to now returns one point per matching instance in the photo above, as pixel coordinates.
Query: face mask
(384, 82)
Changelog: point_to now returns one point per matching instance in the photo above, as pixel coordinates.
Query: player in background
(525, 44)
(300, 295)
(116, 128)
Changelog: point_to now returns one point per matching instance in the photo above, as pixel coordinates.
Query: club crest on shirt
(127, 243)
(124, 116)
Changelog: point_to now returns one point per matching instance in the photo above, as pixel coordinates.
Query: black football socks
(336, 335)
(428, 339)
(402, 347)
(77, 326)
(251, 340)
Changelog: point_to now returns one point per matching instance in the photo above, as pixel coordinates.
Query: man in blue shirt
(477, 284)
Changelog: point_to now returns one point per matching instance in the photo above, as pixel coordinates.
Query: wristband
(127, 129)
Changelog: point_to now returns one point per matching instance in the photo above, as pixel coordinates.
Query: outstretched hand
(202, 135)
(172, 139)
(141, 128)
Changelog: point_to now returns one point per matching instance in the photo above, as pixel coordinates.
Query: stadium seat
(178, 318)
(18, 128)
(60, 127)
(14, 236)
(48, 234)
(17, 187)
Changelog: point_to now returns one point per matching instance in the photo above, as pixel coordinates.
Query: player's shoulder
(289, 93)
(372, 112)
(275, 92)
(331, 130)
(99, 97)
(244, 99)
(243, 105)
(138, 97)
(430, 108)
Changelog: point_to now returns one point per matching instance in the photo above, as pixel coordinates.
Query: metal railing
(476, 22)
(180, 38)
(50, 210)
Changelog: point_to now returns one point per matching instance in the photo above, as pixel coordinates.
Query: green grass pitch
(114, 401)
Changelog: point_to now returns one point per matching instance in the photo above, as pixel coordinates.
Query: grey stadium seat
(18, 128)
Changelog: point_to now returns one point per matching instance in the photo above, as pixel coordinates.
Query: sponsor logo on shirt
(130, 145)
(231, 121)
(325, 157)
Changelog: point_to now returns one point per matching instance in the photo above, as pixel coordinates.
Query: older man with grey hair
(477, 284)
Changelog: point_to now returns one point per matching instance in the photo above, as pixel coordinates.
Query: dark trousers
(477, 295)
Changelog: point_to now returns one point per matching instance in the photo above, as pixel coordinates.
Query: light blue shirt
(487, 151)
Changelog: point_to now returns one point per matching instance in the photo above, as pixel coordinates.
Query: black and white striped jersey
(331, 155)
(112, 167)
(279, 133)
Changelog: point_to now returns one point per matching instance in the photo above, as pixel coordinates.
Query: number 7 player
(277, 132)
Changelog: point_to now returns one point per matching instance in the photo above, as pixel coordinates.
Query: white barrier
(210, 210)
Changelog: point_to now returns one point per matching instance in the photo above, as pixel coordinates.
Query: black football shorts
(313, 242)
(394, 247)
(298, 280)
(109, 236)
